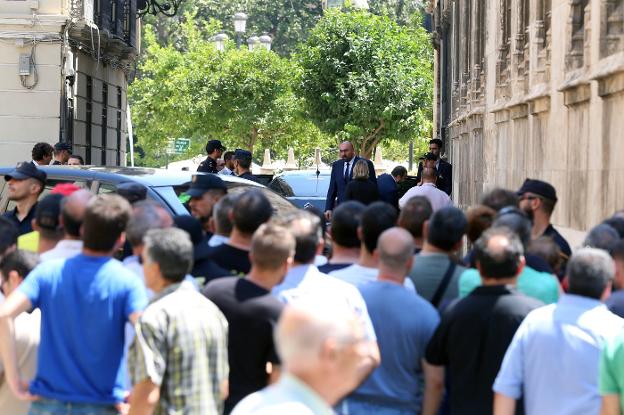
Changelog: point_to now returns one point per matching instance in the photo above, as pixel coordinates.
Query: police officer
(215, 149)
(26, 182)
(242, 165)
(62, 153)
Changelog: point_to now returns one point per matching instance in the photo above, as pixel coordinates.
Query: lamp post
(220, 40)
(252, 42)
(265, 40)
(240, 24)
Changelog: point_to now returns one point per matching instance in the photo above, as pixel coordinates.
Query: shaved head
(429, 175)
(396, 249)
(347, 151)
(73, 209)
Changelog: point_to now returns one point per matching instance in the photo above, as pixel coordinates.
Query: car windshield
(301, 185)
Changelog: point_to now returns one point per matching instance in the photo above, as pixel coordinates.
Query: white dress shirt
(437, 197)
(65, 248)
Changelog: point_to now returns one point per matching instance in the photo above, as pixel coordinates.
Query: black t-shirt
(327, 268)
(247, 175)
(471, 341)
(25, 225)
(252, 313)
(208, 270)
(234, 260)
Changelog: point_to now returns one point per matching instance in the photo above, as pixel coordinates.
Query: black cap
(429, 156)
(132, 191)
(48, 212)
(201, 183)
(539, 188)
(62, 146)
(214, 145)
(26, 170)
(240, 154)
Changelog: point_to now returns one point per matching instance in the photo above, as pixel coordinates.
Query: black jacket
(338, 183)
(363, 191)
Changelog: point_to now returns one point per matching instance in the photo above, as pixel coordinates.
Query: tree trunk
(370, 141)
(253, 136)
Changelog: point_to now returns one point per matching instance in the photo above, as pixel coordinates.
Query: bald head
(305, 332)
(396, 251)
(429, 175)
(73, 208)
(347, 151)
(499, 254)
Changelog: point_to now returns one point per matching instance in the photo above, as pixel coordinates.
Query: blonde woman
(360, 188)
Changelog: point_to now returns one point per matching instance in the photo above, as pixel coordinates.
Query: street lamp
(266, 40)
(219, 41)
(240, 24)
(252, 42)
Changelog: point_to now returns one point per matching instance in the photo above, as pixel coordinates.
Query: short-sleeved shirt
(357, 275)
(85, 302)
(471, 342)
(181, 346)
(24, 226)
(404, 322)
(234, 260)
(252, 314)
(427, 274)
(539, 285)
(553, 359)
(612, 369)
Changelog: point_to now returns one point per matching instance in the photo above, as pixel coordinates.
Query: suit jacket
(388, 189)
(338, 183)
(445, 176)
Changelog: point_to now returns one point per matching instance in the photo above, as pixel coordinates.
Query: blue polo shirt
(85, 302)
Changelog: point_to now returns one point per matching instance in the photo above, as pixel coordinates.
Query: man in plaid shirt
(178, 362)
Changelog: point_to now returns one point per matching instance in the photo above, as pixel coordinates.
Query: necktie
(346, 173)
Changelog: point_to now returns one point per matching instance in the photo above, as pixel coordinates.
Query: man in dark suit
(444, 169)
(387, 185)
(341, 175)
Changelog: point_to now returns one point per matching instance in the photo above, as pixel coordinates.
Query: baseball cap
(242, 154)
(26, 170)
(539, 188)
(132, 191)
(62, 146)
(48, 212)
(201, 183)
(214, 145)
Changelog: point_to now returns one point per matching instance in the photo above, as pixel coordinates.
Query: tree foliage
(365, 78)
(192, 90)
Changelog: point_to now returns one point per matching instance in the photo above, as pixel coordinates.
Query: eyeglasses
(529, 197)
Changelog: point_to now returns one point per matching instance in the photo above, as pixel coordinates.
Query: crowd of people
(118, 307)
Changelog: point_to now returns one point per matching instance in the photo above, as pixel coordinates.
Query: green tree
(365, 78)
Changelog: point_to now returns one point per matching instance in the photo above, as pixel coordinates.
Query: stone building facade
(64, 68)
(534, 88)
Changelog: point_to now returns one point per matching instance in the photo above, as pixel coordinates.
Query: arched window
(612, 27)
(579, 23)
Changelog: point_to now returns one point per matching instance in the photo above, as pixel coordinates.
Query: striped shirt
(181, 346)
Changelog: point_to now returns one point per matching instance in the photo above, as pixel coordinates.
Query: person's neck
(319, 384)
(366, 259)
(240, 240)
(342, 255)
(391, 276)
(540, 223)
(419, 242)
(213, 156)
(489, 282)
(68, 237)
(23, 207)
(430, 249)
(266, 279)
(40, 162)
(91, 252)
(160, 285)
(46, 245)
(428, 182)
(242, 171)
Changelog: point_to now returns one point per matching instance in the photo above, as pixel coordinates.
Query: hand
(19, 388)
(328, 215)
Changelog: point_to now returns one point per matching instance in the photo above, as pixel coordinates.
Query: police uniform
(210, 165)
(24, 170)
(241, 154)
(247, 175)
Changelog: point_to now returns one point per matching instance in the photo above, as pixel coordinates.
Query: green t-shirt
(532, 283)
(612, 369)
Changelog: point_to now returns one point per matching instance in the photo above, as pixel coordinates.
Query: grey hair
(144, 217)
(589, 272)
(221, 214)
(602, 237)
(172, 250)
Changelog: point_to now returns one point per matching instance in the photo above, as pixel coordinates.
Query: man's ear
(425, 230)
(360, 234)
(15, 279)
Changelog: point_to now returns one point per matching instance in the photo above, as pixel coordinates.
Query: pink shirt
(437, 197)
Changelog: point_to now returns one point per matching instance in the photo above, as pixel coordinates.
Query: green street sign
(179, 146)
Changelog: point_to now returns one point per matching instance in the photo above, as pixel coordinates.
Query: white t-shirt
(356, 274)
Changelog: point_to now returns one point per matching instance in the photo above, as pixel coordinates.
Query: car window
(301, 185)
(106, 188)
(50, 183)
